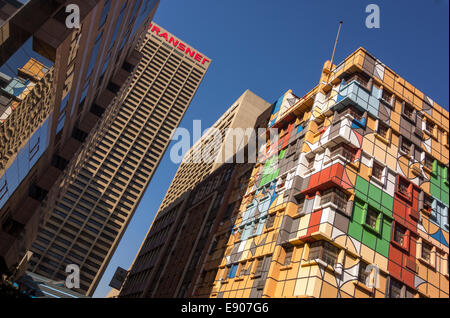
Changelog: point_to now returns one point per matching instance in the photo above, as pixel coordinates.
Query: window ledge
(319, 262)
(354, 164)
(426, 263)
(431, 134)
(269, 230)
(332, 206)
(316, 134)
(382, 139)
(400, 246)
(387, 103)
(309, 170)
(238, 279)
(255, 276)
(427, 169)
(404, 196)
(371, 229)
(285, 268)
(363, 286)
(376, 180)
(404, 153)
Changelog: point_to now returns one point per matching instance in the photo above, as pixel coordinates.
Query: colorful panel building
(351, 201)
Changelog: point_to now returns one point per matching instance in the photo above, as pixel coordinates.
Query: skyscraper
(93, 202)
(352, 201)
(153, 265)
(46, 114)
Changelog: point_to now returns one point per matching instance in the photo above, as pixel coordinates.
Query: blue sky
(272, 46)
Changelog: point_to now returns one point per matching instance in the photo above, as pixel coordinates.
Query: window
(281, 183)
(386, 96)
(320, 126)
(344, 151)
(362, 273)
(427, 202)
(408, 111)
(357, 114)
(336, 196)
(429, 126)
(3, 189)
(428, 162)
(258, 269)
(405, 146)
(403, 187)
(311, 162)
(377, 171)
(324, 251)
(242, 270)
(105, 11)
(426, 251)
(288, 255)
(382, 130)
(399, 234)
(254, 228)
(371, 218)
(232, 271)
(301, 204)
(395, 289)
(34, 149)
(270, 221)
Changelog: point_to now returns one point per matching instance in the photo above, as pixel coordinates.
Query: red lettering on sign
(198, 57)
(182, 47)
(172, 40)
(157, 30)
(164, 35)
(190, 52)
(178, 44)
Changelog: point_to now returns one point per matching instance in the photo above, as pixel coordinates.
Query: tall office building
(151, 265)
(352, 201)
(52, 76)
(95, 200)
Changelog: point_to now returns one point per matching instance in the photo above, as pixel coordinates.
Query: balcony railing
(343, 151)
(337, 198)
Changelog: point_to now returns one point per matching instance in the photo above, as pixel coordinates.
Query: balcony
(354, 93)
(341, 131)
(344, 152)
(337, 199)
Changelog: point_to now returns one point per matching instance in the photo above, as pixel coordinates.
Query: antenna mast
(335, 43)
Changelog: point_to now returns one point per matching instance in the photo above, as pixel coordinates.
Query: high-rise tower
(55, 77)
(183, 210)
(96, 198)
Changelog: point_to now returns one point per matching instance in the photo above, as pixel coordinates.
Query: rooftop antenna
(335, 43)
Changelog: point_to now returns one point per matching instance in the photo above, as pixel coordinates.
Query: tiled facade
(351, 201)
(359, 177)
